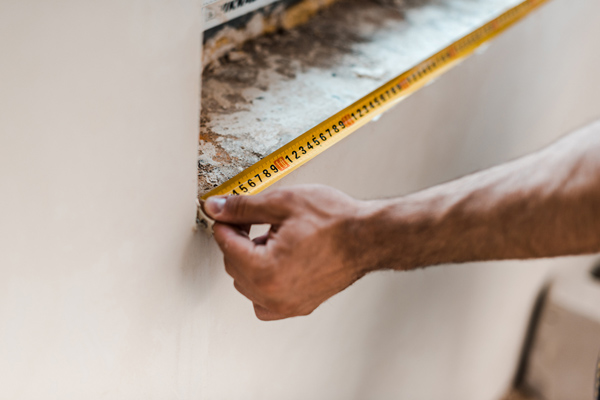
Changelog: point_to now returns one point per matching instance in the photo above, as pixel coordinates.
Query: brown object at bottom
(562, 361)
(519, 395)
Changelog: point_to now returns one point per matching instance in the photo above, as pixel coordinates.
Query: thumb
(258, 209)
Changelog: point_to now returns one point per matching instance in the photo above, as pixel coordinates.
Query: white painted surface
(105, 291)
(99, 106)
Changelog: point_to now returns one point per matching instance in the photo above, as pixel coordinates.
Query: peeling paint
(285, 15)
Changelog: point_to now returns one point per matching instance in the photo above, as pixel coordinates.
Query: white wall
(99, 108)
(106, 291)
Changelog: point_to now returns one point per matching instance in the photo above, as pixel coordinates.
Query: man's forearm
(543, 205)
(321, 241)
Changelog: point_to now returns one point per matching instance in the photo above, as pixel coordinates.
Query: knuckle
(305, 313)
(239, 288)
(261, 316)
(283, 308)
(278, 308)
(226, 246)
(282, 197)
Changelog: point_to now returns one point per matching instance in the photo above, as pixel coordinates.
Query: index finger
(235, 243)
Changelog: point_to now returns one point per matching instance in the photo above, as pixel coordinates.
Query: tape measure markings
(316, 140)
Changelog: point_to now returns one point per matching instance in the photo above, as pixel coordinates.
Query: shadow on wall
(201, 262)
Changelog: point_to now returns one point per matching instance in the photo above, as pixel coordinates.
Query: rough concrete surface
(277, 86)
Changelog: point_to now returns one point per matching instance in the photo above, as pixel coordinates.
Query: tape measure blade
(301, 150)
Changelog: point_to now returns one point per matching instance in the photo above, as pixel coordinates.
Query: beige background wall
(99, 111)
(106, 291)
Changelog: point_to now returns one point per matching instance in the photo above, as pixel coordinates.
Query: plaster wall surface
(106, 291)
(99, 109)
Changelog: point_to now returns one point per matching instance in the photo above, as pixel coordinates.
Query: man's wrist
(415, 231)
(390, 234)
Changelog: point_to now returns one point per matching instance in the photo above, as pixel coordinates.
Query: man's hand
(321, 241)
(307, 256)
(544, 205)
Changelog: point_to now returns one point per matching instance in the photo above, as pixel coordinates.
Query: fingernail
(214, 205)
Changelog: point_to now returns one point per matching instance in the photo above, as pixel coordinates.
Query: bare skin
(546, 204)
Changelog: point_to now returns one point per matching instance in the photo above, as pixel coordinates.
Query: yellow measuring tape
(315, 141)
